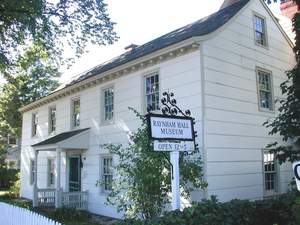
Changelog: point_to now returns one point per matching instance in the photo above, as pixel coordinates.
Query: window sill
(271, 194)
(266, 47)
(104, 193)
(266, 110)
(53, 133)
(107, 122)
(75, 128)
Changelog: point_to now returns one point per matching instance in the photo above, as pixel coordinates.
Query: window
(76, 113)
(108, 107)
(270, 172)
(260, 31)
(52, 120)
(51, 173)
(152, 92)
(32, 171)
(107, 175)
(34, 124)
(265, 90)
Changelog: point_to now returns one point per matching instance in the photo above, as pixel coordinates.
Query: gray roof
(199, 28)
(60, 137)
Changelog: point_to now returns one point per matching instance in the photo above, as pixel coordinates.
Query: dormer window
(260, 30)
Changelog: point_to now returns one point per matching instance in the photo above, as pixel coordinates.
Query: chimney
(288, 8)
(227, 3)
(130, 47)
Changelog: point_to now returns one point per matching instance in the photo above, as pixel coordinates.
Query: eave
(152, 59)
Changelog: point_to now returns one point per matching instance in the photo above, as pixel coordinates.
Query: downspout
(203, 108)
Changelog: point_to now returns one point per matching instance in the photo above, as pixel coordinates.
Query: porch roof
(75, 139)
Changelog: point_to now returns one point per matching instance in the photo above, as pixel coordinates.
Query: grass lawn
(67, 219)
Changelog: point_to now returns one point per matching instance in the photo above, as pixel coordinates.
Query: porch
(71, 196)
(46, 198)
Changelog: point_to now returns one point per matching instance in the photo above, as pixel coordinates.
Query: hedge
(283, 210)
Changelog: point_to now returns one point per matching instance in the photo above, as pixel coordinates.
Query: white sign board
(296, 169)
(166, 146)
(171, 128)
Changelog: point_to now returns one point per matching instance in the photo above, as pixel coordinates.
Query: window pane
(270, 171)
(260, 33)
(34, 123)
(108, 103)
(76, 113)
(52, 122)
(265, 93)
(152, 92)
(107, 176)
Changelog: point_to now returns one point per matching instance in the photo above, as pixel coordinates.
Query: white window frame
(102, 186)
(73, 125)
(49, 172)
(32, 171)
(34, 124)
(265, 40)
(145, 106)
(276, 173)
(50, 126)
(271, 91)
(104, 120)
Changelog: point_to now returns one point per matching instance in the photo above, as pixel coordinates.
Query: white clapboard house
(226, 68)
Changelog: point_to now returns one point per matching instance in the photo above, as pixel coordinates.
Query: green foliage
(287, 122)
(67, 213)
(142, 186)
(283, 210)
(23, 203)
(54, 24)
(7, 176)
(35, 75)
(14, 190)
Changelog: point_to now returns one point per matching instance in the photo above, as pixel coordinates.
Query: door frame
(68, 156)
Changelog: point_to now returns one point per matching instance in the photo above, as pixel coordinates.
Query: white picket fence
(12, 215)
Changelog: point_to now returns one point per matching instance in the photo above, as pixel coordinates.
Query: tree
(143, 182)
(35, 76)
(287, 122)
(54, 24)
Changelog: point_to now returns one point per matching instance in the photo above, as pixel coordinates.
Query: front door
(74, 173)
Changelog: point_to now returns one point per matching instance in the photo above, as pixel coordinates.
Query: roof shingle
(60, 137)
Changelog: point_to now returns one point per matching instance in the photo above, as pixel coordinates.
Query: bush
(14, 190)
(62, 214)
(7, 177)
(283, 210)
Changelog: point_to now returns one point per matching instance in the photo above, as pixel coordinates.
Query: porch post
(35, 188)
(58, 190)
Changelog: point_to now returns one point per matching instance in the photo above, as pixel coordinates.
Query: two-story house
(226, 68)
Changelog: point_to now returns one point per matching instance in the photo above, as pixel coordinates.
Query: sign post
(172, 133)
(174, 155)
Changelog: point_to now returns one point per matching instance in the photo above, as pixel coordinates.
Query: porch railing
(78, 200)
(46, 197)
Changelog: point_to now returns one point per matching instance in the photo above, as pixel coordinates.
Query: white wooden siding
(234, 135)
(181, 75)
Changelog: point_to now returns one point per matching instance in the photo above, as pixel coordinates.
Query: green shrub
(7, 177)
(283, 210)
(62, 214)
(14, 190)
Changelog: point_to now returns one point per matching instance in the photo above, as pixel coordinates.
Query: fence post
(12, 215)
